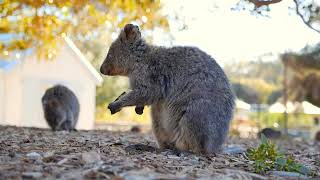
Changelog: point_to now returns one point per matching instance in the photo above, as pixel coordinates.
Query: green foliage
(263, 88)
(126, 115)
(245, 93)
(111, 88)
(266, 157)
(38, 24)
(304, 74)
(274, 96)
(255, 81)
(295, 121)
(269, 71)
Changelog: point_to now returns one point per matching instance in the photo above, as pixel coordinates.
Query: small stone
(12, 154)
(288, 174)
(173, 157)
(90, 157)
(72, 174)
(135, 177)
(233, 150)
(33, 175)
(48, 154)
(62, 161)
(34, 155)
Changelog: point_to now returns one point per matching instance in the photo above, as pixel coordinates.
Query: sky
(237, 35)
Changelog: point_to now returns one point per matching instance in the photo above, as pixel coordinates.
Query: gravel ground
(30, 153)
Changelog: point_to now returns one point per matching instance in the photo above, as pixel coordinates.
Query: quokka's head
(124, 52)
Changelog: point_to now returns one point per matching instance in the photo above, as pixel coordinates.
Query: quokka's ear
(131, 33)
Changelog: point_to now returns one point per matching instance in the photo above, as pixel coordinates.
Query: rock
(34, 155)
(33, 175)
(217, 177)
(234, 150)
(48, 154)
(135, 177)
(173, 157)
(146, 174)
(4, 158)
(12, 154)
(62, 161)
(288, 174)
(72, 174)
(90, 157)
(269, 133)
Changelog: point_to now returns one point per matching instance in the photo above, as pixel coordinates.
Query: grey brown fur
(139, 110)
(190, 96)
(61, 108)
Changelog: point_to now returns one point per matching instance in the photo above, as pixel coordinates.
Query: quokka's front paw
(120, 96)
(114, 107)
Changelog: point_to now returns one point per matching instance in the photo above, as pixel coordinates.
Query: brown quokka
(190, 95)
(61, 108)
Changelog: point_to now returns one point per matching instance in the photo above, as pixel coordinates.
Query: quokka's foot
(176, 152)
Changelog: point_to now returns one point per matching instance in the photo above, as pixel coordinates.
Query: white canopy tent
(309, 108)
(304, 107)
(280, 108)
(242, 105)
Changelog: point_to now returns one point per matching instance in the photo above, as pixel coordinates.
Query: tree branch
(259, 3)
(304, 20)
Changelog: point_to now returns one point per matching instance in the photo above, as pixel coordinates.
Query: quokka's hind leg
(159, 132)
(200, 132)
(161, 136)
(186, 139)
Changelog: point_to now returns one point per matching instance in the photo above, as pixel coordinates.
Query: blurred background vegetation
(92, 25)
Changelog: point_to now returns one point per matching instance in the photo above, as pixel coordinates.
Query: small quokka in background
(269, 133)
(190, 95)
(61, 108)
(317, 136)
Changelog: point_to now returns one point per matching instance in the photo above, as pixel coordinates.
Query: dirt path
(38, 154)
